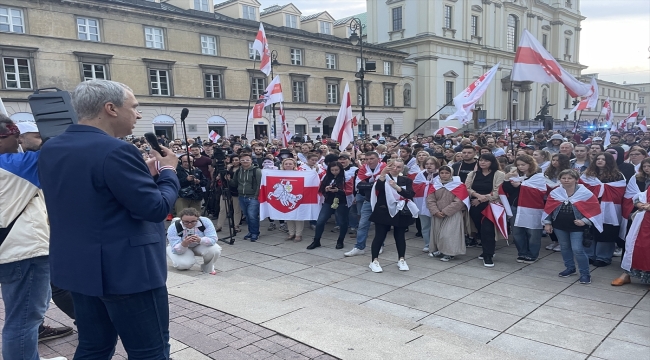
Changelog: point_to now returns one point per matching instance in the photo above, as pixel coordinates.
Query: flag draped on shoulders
(627, 205)
(455, 186)
(422, 186)
(289, 195)
(637, 242)
(365, 173)
(350, 175)
(394, 201)
(610, 195)
(583, 199)
(530, 204)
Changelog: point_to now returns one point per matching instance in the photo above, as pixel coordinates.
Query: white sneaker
(551, 245)
(355, 251)
(381, 250)
(557, 248)
(312, 226)
(426, 249)
(435, 254)
(618, 252)
(374, 266)
(402, 265)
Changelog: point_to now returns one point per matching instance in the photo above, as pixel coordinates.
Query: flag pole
(248, 113)
(512, 146)
(424, 122)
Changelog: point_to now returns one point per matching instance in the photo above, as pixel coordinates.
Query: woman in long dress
(446, 205)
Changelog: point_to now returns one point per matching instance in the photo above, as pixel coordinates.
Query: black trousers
(63, 300)
(381, 231)
(484, 228)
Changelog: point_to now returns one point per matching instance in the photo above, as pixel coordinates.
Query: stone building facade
(182, 53)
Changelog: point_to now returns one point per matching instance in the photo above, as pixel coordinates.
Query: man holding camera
(106, 214)
(247, 179)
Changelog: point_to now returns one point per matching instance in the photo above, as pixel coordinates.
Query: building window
(407, 95)
(397, 18)
(449, 91)
(213, 85)
(17, 73)
(301, 129)
(298, 91)
(159, 82)
(154, 37)
(11, 20)
(291, 21)
(568, 4)
(641, 99)
(474, 25)
(330, 61)
(388, 68)
(567, 101)
(201, 5)
(359, 63)
(448, 12)
(332, 93)
(258, 86)
(208, 45)
(88, 29)
(388, 97)
(567, 47)
(545, 41)
(326, 27)
(365, 93)
(296, 57)
(511, 36)
(252, 53)
(94, 72)
(248, 12)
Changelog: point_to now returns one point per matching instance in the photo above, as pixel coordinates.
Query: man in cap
(556, 141)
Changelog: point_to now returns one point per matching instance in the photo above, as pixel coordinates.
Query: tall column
(525, 88)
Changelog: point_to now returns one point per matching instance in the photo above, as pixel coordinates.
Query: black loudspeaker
(52, 110)
(371, 66)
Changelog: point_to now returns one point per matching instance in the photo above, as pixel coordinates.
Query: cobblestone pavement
(197, 332)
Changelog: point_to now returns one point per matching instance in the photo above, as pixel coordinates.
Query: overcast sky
(614, 42)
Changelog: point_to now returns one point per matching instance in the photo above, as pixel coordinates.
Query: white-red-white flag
(318, 118)
(583, 199)
(3, 109)
(258, 109)
(637, 251)
(643, 125)
(464, 102)
(610, 195)
(422, 186)
(534, 63)
(342, 131)
(289, 195)
(530, 204)
(588, 102)
(274, 92)
(496, 213)
(214, 136)
(607, 111)
(506, 132)
(262, 47)
(630, 118)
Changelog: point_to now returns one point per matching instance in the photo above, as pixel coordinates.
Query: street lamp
(355, 24)
(274, 62)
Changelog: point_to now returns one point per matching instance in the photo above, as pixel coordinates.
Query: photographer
(231, 168)
(193, 184)
(196, 234)
(247, 179)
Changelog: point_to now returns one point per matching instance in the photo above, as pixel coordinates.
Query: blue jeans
(425, 221)
(602, 251)
(364, 225)
(528, 241)
(26, 294)
(571, 246)
(326, 212)
(141, 320)
(251, 207)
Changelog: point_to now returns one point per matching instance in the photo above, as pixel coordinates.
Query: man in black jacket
(468, 164)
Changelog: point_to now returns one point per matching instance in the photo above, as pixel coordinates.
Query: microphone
(184, 113)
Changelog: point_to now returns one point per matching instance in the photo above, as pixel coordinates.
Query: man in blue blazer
(106, 211)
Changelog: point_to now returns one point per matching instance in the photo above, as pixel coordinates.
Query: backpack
(179, 228)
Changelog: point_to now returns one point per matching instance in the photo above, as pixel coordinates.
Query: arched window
(544, 96)
(407, 95)
(511, 36)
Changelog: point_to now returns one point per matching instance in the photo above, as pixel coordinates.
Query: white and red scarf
(411, 169)
(610, 195)
(637, 242)
(530, 204)
(394, 201)
(350, 175)
(365, 173)
(423, 186)
(583, 199)
(627, 206)
(455, 186)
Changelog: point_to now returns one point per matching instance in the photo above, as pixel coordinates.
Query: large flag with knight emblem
(289, 195)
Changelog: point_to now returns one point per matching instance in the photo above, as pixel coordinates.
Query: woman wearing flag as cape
(423, 186)
(446, 205)
(569, 209)
(522, 194)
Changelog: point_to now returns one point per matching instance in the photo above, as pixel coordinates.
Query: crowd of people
(103, 257)
(447, 186)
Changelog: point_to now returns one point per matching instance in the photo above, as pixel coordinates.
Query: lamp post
(274, 62)
(355, 24)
